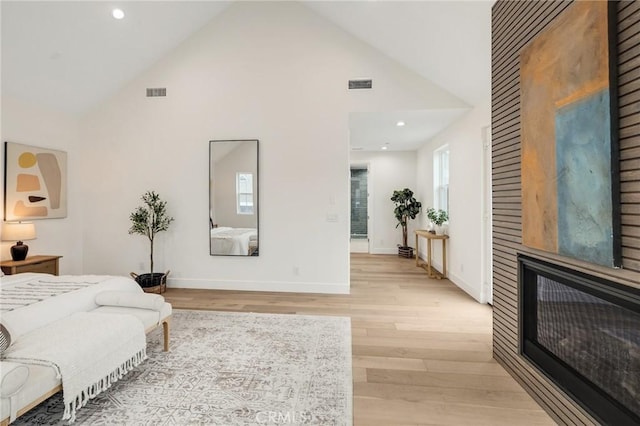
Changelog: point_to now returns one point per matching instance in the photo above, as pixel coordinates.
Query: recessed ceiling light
(117, 13)
(385, 148)
(400, 123)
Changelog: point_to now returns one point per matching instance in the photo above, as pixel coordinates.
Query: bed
(25, 311)
(233, 241)
(47, 311)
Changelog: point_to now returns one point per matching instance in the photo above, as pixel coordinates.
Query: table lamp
(18, 231)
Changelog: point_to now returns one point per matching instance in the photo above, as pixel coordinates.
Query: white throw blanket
(75, 347)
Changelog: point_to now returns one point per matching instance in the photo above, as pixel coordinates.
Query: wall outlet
(296, 270)
(461, 267)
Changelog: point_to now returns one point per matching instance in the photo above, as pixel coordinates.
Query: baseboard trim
(457, 280)
(473, 292)
(283, 287)
(393, 250)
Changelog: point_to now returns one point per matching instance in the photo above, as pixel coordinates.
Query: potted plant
(437, 217)
(406, 208)
(148, 220)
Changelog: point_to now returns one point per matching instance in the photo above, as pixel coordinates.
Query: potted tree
(406, 208)
(438, 218)
(148, 220)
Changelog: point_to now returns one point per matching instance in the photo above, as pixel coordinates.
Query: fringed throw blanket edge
(102, 385)
(88, 351)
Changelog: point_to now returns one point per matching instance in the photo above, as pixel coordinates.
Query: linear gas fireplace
(583, 332)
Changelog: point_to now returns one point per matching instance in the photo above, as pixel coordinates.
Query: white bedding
(232, 241)
(40, 313)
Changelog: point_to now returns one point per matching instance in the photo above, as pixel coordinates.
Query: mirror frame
(256, 192)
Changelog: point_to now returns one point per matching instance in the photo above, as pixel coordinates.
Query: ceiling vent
(156, 91)
(361, 83)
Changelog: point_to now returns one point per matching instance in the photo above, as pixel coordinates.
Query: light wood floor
(421, 347)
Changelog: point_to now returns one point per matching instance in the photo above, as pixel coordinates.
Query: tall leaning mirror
(233, 197)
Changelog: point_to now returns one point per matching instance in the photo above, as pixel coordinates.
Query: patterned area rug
(230, 369)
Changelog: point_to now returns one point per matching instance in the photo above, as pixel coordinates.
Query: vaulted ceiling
(72, 55)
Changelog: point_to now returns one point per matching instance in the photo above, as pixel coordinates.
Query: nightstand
(42, 264)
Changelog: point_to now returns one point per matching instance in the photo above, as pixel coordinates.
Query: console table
(433, 273)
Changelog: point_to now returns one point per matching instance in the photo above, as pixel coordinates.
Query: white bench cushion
(128, 299)
(150, 318)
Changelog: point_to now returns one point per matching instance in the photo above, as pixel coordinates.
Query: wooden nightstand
(42, 264)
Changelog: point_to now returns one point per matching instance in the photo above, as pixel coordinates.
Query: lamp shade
(18, 231)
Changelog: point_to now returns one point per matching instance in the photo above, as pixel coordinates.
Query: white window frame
(244, 196)
(441, 178)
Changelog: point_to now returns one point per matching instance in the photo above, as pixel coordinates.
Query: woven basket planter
(405, 252)
(152, 283)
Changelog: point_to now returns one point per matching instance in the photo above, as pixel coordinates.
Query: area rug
(229, 369)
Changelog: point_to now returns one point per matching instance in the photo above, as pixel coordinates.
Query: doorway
(359, 209)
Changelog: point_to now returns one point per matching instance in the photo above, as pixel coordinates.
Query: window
(244, 193)
(441, 178)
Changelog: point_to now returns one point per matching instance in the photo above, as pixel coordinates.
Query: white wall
(272, 71)
(31, 125)
(388, 171)
(465, 197)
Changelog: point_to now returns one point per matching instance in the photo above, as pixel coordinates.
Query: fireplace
(583, 333)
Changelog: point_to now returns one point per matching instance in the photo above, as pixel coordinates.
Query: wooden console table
(433, 273)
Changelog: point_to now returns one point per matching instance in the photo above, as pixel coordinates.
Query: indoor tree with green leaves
(406, 208)
(150, 219)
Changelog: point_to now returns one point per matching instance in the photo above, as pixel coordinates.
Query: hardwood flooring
(422, 350)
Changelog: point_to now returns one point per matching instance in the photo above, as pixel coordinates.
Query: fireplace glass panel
(599, 339)
(583, 333)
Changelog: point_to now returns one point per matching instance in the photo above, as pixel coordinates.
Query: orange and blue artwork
(569, 143)
(35, 182)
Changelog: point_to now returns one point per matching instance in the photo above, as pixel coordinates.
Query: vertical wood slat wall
(514, 24)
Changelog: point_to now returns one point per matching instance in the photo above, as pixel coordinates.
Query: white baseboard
(473, 292)
(469, 289)
(288, 287)
(393, 250)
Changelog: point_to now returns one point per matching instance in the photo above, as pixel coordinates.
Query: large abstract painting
(570, 177)
(35, 182)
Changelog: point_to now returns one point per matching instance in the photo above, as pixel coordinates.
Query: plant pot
(440, 229)
(431, 227)
(152, 283)
(405, 252)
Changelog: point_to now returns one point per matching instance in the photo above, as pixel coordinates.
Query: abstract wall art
(570, 171)
(35, 182)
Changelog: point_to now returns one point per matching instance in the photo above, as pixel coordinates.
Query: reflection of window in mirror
(244, 193)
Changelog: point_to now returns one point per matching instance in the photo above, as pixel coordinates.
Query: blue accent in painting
(583, 163)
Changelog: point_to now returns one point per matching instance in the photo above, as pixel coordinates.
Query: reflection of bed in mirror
(234, 241)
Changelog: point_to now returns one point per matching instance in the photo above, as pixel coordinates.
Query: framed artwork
(35, 182)
(570, 160)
